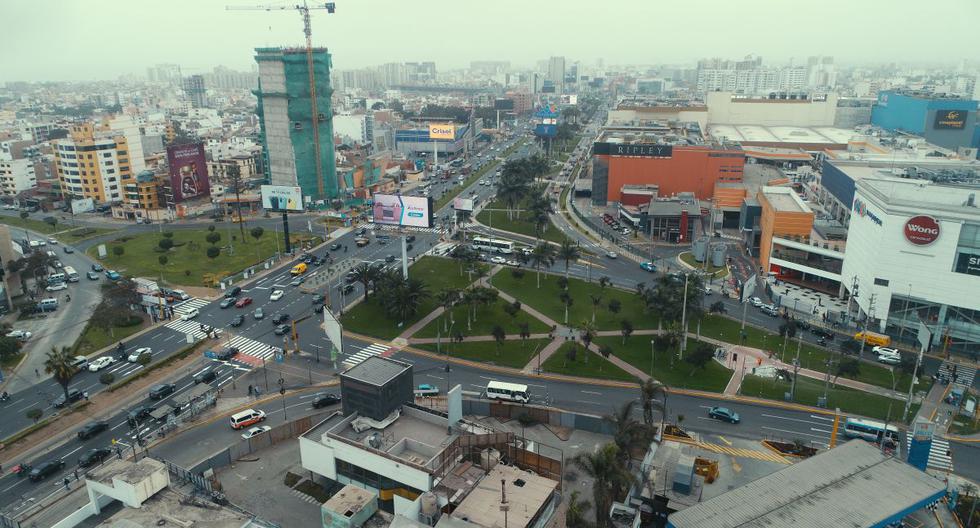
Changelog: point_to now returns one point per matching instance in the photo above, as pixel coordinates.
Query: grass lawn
(93, 338)
(503, 221)
(596, 367)
(33, 225)
(476, 175)
(513, 354)
(81, 233)
(368, 318)
(681, 375)
(486, 318)
(188, 262)
(714, 271)
(546, 300)
(11, 361)
(963, 425)
(807, 391)
(811, 356)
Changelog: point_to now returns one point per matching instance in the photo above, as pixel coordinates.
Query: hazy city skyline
(201, 35)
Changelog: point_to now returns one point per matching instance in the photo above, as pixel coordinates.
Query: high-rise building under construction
(285, 109)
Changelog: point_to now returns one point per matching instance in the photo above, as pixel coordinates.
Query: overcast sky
(101, 39)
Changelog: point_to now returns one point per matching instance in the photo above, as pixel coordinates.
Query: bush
(526, 420)
(118, 251)
(107, 378)
(34, 414)
(145, 359)
(517, 273)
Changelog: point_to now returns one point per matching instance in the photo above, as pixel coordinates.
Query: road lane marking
(793, 432)
(723, 439)
(592, 392)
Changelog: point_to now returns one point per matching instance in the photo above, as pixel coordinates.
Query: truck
(873, 338)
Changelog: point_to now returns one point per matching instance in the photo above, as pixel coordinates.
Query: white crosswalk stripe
(385, 227)
(253, 348)
(187, 327)
(938, 458)
(374, 349)
(192, 303)
(964, 374)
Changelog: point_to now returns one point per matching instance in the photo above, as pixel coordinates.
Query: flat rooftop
(774, 135)
(416, 436)
(349, 499)
(376, 370)
(851, 485)
(527, 493)
(132, 473)
(176, 509)
(785, 199)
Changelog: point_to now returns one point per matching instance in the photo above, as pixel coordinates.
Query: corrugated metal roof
(376, 370)
(851, 485)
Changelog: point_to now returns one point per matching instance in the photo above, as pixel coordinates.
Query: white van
(246, 418)
(47, 305)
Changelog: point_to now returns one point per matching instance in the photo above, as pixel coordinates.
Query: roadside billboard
(281, 198)
(188, 171)
(394, 209)
(569, 99)
(82, 205)
(463, 204)
(442, 131)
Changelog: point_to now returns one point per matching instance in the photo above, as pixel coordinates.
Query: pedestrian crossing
(374, 349)
(960, 376)
(386, 227)
(187, 327)
(252, 352)
(186, 306)
(938, 457)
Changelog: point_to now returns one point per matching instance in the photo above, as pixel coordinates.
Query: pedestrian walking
(37, 373)
(66, 483)
(76, 474)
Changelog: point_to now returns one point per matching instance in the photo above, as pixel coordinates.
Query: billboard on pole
(463, 204)
(188, 171)
(282, 198)
(395, 209)
(442, 131)
(748, 288)
(334, 332)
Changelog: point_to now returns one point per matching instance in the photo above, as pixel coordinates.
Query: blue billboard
(542, 130)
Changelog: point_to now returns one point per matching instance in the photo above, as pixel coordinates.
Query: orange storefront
(674, 170)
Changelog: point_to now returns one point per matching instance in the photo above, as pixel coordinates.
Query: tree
(365, 274)
(118, 251)
(604, 283)
(9, 346)
(699, 357)
(447, 298)
(605, 351)
(162, 259)
(596, 301)
(653, 395)
(542, 255)
(234, 174)
(788, 329)
(570, 355)
(575, 512)
(51, 221)
(211, 228)
(628, 434)
(499, 336)
(566, 300)
(848, 367)
(512, 309)
(59, 365)
(24, 215)
(569, 252)
(170, 234)
(34, 414)
(213, 252)
(615, 305)
(167, 243)
(608, 478)
(525, 332)
(257, 232)
(717, 307)
(213, 238)
(402, 298)
(626, 328)
(587, 332)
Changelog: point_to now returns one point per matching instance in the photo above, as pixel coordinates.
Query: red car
(243, 302)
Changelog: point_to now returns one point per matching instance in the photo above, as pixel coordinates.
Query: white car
(135, 356)
(23, 335)
(190, 314)
(757, 302)
(885, 351)
(276, 295)
(611, 254)
(57, 286)
(255, 431)
(889, 360)
(52, 241)
(100, 363)
(498, 260)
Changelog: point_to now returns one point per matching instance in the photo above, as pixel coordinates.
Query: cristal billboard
(442, 131)
(395, 209)
(282, 198)
(188, 171)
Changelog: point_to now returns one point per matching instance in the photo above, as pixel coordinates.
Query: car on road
(282, 330)
(58, 286)
(161, 391)
(879, 350)
(97, 268)
(22, 335)
(389, 259)
(611, 254)
(68, 249)
(206, 377)
(324, 399)
(233, 292)
(135, 356)
(226, 353)
(238, 320)
(138, 414)
(317, 308)
(280, 318)
(297, 281)
(822, 333)
(45, 470)
(112, 275)
(276, 295)
(256, 431)
(769, 310)
(94, 456)
(53, 241)
(755, 301)
(258, 314)
(724, 414)
(889, 360)
(243, 302)
(318, 298)
(648, 266)
(74, 395)
(92, 429)
(100, 363)
(227, 302)
(190, 314)
(425, 389)
(92, 275)
(335, 246)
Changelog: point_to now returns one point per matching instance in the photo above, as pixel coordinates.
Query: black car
(410, 239)
(318, 298)
(91, 429)
(282, 330)
(136, 415)
(324, 399)
(308, 259)
(280, 318)
(389, 259)
(408, 247)
(238, 320)
(226, 353)
(228, 302)
(317, 261)
(206, 377)
(233, 292)
(97, 267)
(318, 308)
(347, 288)
(74, 395)
(159, 392)
(334, 247)
(350, 278)
(820, 332)
(45, 470)
(94, 456)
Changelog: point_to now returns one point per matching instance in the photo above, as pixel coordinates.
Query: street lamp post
(653, 352)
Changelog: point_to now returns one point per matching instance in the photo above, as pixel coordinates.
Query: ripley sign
(922, 230)
(645, 150)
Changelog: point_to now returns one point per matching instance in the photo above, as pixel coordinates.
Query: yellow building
(94, 162)
(784, 215)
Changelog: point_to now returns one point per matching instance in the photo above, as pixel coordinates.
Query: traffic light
(282, 391)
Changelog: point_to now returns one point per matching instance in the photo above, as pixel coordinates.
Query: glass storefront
(954, 329)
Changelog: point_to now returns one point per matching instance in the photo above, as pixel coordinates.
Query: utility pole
(796, 362)
(864, 324)
(915, 372)
(683, 347)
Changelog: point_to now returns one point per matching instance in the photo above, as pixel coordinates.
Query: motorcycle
(21, 469)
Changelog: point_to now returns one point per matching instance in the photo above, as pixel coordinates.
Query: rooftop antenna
(504, 507)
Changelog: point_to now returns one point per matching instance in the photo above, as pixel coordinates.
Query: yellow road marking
(736, 467)
(723, 439)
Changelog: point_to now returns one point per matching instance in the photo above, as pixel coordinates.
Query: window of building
(881, 282)
(110, 171)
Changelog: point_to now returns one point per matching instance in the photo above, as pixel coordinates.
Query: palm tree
(568, 252)
(626, 327)
(587, 331)
(59, 364)
(629, 435)
(525, 331)
(365, 274)
(447, 298)
(402, 300)
(566, 300)
(542, 255)
(609, 478)
(499, 336)
(575, 513)
(654, 397)
(596, 301)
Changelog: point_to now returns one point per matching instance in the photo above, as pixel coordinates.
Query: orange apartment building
(784, 215)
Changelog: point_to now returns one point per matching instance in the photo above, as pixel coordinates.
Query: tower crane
(304, 10)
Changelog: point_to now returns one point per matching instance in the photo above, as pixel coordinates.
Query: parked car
(161, 391)
(92, 275)
(22, 335)
(883, 350)
(822, 333)
(724, 414)
(45, 470)
(238, 320)
(276, 295)
(58, 286)
(243, 302)
(100, 363)
(769, 310)
(334, 247)
(611, 254)
(227, 302)
(92, 429)
(648, 266)
(135, 355)
(889, 360)
(112, 275)
(94, 456)
(319, 298)
(256, 431)
(68, 249)
(755, 301)
(324, 399)
(190, 314)
(97, 268)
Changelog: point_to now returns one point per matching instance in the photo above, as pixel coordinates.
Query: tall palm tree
(542, 255)
(587, 331)
(596, 301)
(447, 298)
(566, 300)
(629, 435)
(402, 300)
(365, 274)
(568, 251)
(59, 365)
(499, 336)
(609, 478)
(575, 513)
(654, 397)
(626, 328)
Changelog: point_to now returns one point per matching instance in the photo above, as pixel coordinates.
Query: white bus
(499, 390)
(869, 430)
(71, 274)
(494, 245)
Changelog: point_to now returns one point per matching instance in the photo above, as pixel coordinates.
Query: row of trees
(400, 298)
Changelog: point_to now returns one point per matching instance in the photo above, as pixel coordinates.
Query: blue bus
(870, 430)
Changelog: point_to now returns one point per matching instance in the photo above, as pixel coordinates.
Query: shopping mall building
(913, 254)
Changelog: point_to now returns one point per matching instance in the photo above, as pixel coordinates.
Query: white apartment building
(16, 176)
